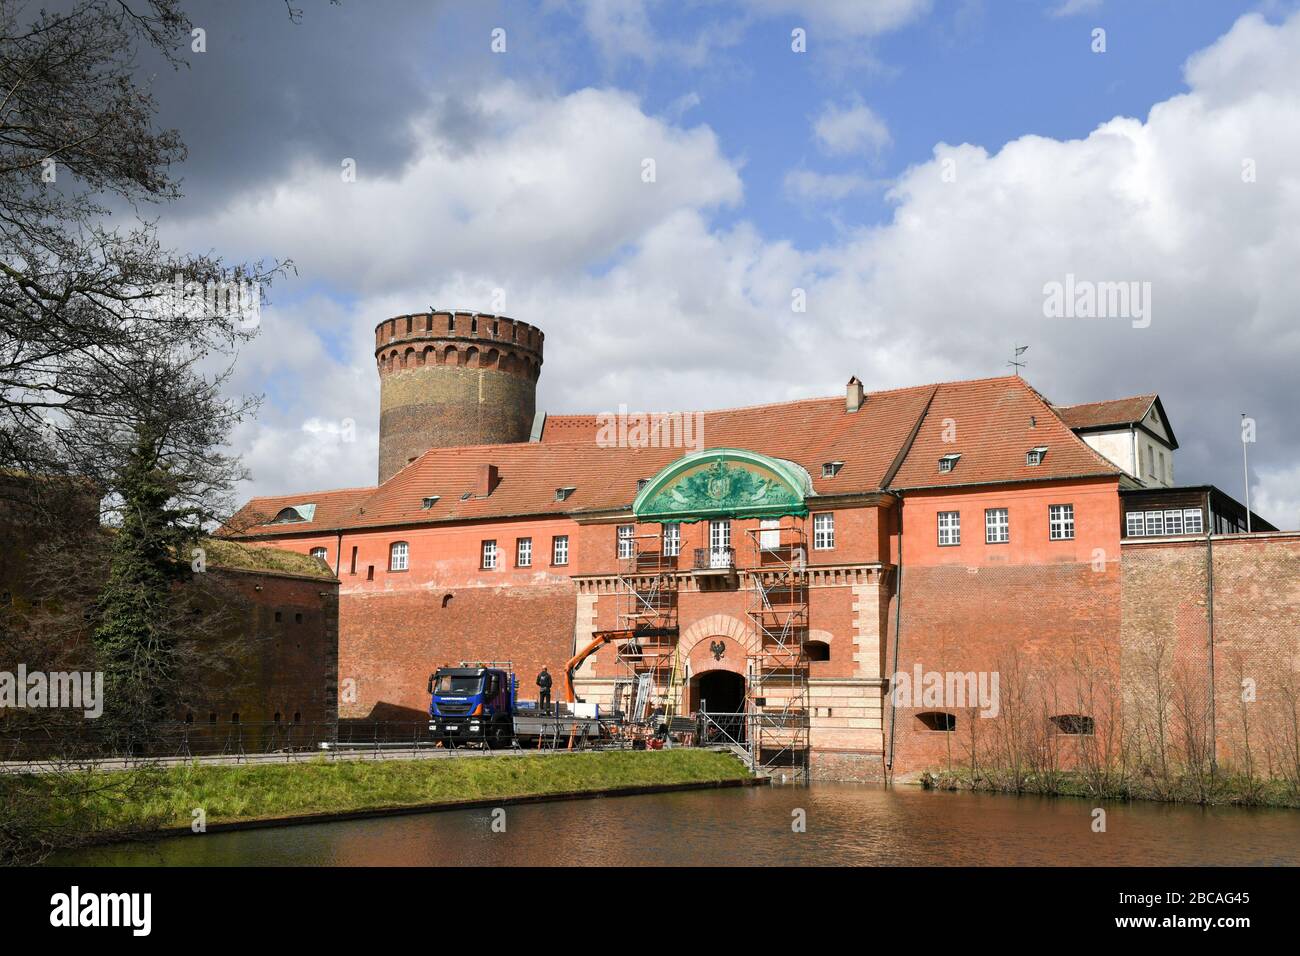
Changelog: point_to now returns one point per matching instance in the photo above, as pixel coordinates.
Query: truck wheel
(499, 737)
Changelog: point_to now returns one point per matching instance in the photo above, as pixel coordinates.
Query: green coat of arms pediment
(723, 483)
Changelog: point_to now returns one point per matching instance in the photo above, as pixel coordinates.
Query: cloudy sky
(921, 170)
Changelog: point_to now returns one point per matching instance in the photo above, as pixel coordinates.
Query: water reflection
(846, 825)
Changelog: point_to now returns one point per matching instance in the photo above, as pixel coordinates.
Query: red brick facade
(433, 572)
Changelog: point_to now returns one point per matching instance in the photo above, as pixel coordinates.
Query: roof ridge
(793, 401)
(309, 494)
(1111, 401)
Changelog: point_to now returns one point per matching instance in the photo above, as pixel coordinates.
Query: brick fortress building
(778, 561)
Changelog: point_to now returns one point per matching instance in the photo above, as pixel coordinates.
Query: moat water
(846, 824)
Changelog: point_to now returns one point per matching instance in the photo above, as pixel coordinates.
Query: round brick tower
(453, 378)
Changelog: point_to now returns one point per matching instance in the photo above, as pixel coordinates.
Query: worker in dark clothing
(544, 691)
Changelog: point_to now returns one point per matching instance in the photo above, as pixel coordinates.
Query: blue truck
(479, 704)
(472, 705)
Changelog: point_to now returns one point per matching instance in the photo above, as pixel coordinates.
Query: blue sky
(519, 172)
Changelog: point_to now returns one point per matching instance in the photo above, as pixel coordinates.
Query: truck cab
(472, 705)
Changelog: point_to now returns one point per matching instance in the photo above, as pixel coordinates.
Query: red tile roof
(992, 424)
(876, 445)
(1117, 411)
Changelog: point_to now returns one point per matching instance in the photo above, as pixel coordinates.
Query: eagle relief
(719, 648)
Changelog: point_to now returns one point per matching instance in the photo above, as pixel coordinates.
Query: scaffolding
(646, 607)
(777, 695)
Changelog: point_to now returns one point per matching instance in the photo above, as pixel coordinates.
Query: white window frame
(626, 544)
(1193, 516)
(949, 523)
(488, 554)
(319, 553)
(1060, 522)
(1155, 522)
(1174, 522)
(769, 533)
(997, 526)
(560, 550)
(1135, 525)
(720, 543)
(524, 552)
(399, 556)
(671, 535)
(824, 531)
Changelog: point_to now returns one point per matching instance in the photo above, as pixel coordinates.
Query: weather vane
(1020, 350)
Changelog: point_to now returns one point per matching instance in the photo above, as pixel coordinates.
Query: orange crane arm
(604, 637)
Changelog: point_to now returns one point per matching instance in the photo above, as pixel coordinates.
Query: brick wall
(1168, 654)
(391, 640)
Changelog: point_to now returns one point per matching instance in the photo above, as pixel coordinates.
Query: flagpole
(1245, 471)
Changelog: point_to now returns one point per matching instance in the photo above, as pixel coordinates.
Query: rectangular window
(823, 531)
(354, 559)
(720, 544)
(949, 528)
(524, 553)
(625, 542)
(1155, 522)
(398, 556)
(1060, 522)
(997, 526)
(489, 555)
(1134, 525)
(560, 549)
(672, 540)
(769, 535)
(1173, 522)
(1193, 521)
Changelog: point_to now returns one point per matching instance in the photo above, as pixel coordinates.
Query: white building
(1134, 433)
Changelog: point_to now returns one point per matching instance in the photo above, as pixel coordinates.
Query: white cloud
(624, 29)
(646, 300)
(822, 187)
(1276, 495)
(1071, 8)
(854, 129)
(556, 184)
(850, 18)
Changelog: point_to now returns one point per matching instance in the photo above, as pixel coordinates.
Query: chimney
(853, 397)
(487, 480)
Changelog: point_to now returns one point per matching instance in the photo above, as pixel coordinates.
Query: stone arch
(490, 358)
(408, 358)
(429, 356)
(448, 356)
(472, 357)
(715, 626)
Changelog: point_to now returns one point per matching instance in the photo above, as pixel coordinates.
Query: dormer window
(562, 494)
(831, 468)
(641, 483)
(294, 514)
(947, 463)
(1035, 456)
(429, 502)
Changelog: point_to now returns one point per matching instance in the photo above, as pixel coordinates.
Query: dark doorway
(721, 694)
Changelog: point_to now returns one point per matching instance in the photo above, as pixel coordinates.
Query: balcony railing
(715, 559)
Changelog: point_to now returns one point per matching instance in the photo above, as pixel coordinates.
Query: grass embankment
(1224, 788)
(104, 806)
